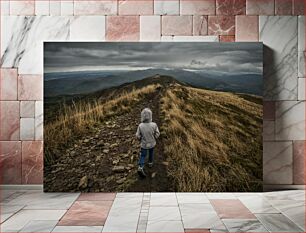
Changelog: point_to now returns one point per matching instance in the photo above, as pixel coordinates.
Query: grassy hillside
(78, 119)
(212, 139)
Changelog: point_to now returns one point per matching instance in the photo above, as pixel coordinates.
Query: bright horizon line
(128, 69)
(99, 69)
(146, 68)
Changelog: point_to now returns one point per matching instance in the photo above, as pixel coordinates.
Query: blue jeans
(143, 154)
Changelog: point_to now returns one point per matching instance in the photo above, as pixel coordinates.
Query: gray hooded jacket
(147, 131)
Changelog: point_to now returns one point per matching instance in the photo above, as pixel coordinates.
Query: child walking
(147, 133)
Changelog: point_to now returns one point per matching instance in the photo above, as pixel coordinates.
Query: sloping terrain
(214, 138)
(210, 141)
(100, 152)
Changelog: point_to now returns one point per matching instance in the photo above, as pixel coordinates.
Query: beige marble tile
(5, 7)
(8, 87)
(42, 7)
(87, 28)
(22, 7)
(150, 28)
(27, 109)
(66, 7)
(166, 7)
(27, 129)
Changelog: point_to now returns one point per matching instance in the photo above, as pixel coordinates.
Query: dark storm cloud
(210, 57)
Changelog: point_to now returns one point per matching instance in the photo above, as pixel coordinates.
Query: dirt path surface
(106, 160)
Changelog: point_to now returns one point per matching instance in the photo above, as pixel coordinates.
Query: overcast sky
(236, 58)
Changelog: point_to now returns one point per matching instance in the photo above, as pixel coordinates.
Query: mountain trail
(107, 160)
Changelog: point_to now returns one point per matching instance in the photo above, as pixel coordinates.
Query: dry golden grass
(212, 140)
(79, 118)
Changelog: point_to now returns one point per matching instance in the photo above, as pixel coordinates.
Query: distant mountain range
(73, 83)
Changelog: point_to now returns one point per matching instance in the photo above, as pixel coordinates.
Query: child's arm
(138, 133)
(156, 133)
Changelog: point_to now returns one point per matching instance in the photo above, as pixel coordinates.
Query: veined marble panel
(105, 7)
(32, 162)
(124, 214)
(20, 219)
(204, 218)
(10, 162)
(277, 163)
(268, 130)
(258, 205)
(230, 7)
(294, 210)
(39, 115)
(240, 225)
(200, 25)
(9, 210)
(301, 46)
(36, 199)
(278, 223)
(221, 25)
(25, 7)
(39, 226)
(22, 40)
(279, 35)
(301, 89)
(27, 109)
(290, 120)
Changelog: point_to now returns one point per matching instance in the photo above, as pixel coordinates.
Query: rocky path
(106, 160)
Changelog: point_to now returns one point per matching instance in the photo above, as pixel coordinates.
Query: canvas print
(152, 117)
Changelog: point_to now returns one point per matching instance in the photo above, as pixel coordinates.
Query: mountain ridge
(81, 83)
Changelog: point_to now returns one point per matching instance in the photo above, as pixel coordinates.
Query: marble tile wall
(25, 24)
